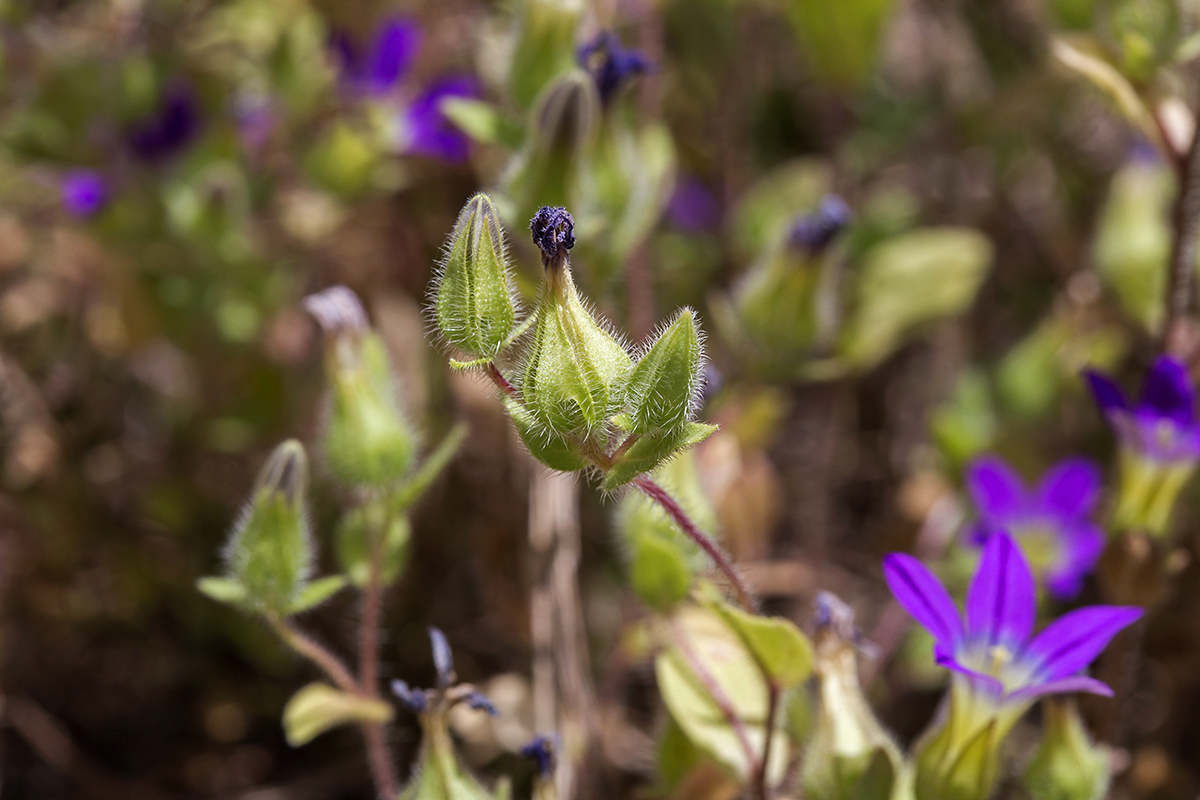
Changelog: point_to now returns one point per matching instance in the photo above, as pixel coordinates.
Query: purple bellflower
(427, 131)
(816, 231)
(169, 128)
(1160, 442)
(84, 193)
(382, 65)
(611, 64)
(1050, 523)
(998, 668)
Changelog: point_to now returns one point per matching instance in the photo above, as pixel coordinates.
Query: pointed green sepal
(318, 707)
(556, 452)
(651, 450)
(1067, 764)
(662, 388)
(473, 297)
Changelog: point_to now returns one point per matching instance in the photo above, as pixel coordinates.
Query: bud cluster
(576, 393)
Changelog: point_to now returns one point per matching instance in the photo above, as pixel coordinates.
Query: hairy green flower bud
(662, 388)
(1067, 765)
(270, 552)
(573, 376)
(556, 157)
(545, 45)
(473, 295)
(368, 442)
(850, 755)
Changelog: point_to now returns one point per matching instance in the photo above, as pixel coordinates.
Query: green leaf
(781, 650)
(840, 39)
(651, 450)
(478, 119)
(430, 468)
(659, 572)
(318, 707)
(224, 590)
(318, 592)
(1082, 56)
(908, 280)
(703, 645)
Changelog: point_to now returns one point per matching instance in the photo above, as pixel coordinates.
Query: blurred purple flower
(84, 192)
(816, 231)
(993, 650)
(256, 121)
(1050, 523)
(1162, 426)
(427, 131)
(611, 64)
(385, 62)
(693, 207)
(167, 129)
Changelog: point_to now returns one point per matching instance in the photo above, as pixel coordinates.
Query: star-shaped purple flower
(1051, 523)
(1004, 668)
(384, 63)
(1162, 425)
(611, 64)
(427, 131)
(84, 192)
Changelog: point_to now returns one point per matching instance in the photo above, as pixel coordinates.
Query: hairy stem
(722, 701)
(659, 495)
(1185, 223)
(314, 651)
(501, 382)
(374, 735)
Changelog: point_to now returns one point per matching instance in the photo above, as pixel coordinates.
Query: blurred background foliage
(176, 175)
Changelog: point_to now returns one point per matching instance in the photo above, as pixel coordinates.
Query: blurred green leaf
(318, 707)
(840, 39)
(965, 425)
(766, 212)
(659, 571)
(781, 650)
(317, 593)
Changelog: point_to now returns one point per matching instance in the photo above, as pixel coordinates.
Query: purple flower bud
(168, 129)
(480, 702)
(553, 230)
(443, 659)
(610, 64)
(693, 207)
(814, 232)
(84, 192)
(385, 62)
(428, 131)
(543, 752)
(412, 699)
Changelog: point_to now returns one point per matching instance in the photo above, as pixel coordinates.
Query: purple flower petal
(1168, 390)
(924, 597)
(429, 132)
(1002, 599)
(169, 128)
(1078, 683)
(998, 492)
(1073, 641)
(693, 207)
(1109, 396)
(1070, 489)
(1082, 544)
(84, 192)
(392, 53)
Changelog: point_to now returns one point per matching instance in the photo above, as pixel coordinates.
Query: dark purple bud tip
(412, 699)
(443, 660)
(480, 702)
(814, 232)
(543, 751)
(553, 231)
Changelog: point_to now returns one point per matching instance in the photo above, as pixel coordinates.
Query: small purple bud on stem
(553, 230)
(543, 751)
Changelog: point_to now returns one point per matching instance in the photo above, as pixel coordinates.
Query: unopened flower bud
(1067, 765)
(664, 384)
(270, 552)
(574, 374)
(473, 296)
(368, 442)
(544, 47)
(816, 231)
(850, 754)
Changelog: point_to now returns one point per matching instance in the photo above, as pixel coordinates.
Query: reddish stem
(676, 512)
(386, 784)
(768, 734)
(501, 382)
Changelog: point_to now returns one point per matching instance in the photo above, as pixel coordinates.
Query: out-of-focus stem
(768, 734)
(659, 495)
(497, 377)
(384, 775)
(722, 701)
(1185, 223)
(315, 652)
